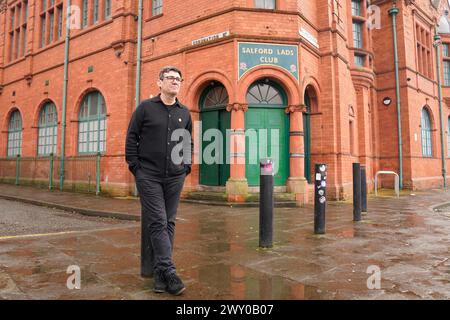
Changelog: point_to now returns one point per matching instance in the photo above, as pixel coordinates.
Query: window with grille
(446, 65)
(357, 34)
(265, 4)
(426, 134)
(60, 22)
(356, 8)
(51, 21)
(359, 60)
(107, 9)
(95, 15)
(157, 6)
(92, 124)
(424, 62)
(84, 21)
(445, 51)
(18, 17)
(47, 130)
(14, 134)
(94, 11)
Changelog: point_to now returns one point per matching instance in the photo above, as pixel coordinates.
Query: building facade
(315, 78)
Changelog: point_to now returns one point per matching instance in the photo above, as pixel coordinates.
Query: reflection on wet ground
(217, 255)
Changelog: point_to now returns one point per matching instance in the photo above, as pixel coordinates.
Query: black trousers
(159, 202)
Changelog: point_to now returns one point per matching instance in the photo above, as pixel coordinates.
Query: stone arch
(278, 75)
(76, 109)
(201, 81)
(38, 110)
(8, 117)
(311, 86)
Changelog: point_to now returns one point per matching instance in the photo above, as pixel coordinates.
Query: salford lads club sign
(253, 54)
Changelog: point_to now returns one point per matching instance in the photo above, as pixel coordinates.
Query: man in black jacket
(158, 151)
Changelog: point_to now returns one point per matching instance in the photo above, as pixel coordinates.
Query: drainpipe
(137, 97)
(64, 103)
(437, 39)
(139, 56)
(393, 13)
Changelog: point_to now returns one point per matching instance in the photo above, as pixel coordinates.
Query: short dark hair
(167, 69)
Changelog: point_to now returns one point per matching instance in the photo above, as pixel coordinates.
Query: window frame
(107, 9)
(157, 7)
(424, 59)
(17, 29)
(85, 14)
(92, 135)
(426, 134)
(45, 127)
(13, 133)
(356, 11)
(267, 3)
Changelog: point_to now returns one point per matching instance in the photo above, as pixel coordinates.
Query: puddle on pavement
(238, 282)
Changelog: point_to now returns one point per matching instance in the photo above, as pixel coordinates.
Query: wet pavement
(217, 254)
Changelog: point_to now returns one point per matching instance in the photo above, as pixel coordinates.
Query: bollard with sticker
(320, 199)
(266, 203)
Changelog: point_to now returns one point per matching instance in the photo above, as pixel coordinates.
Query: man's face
(170, 84)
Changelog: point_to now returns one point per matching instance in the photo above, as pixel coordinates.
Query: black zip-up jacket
(149, 142)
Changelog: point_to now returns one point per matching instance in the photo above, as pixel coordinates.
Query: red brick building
(322, 73)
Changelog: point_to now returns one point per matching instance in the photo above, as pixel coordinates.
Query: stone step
(281, 199)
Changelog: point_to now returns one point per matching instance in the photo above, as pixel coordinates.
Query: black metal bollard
(356, 192)
(266, 203)
(320, 198)
(363, 189)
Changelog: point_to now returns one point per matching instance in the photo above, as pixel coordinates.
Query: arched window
(426, 134)
(92, 124)
(264, 93)
(47, 130)
(215, 97)
(15, 134)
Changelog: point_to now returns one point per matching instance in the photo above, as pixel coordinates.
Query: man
(160, 166)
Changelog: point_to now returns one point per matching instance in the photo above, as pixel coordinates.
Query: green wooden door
(209, 173)
(307, 137)
(267, 132)
(214, 116)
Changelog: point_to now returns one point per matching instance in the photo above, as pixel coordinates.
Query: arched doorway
(214, 169)
(266, 104)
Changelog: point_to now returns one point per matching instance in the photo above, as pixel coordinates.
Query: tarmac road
(25, 219)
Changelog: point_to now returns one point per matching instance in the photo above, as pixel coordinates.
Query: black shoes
(159, 282)
(174, 284)
(168, 282)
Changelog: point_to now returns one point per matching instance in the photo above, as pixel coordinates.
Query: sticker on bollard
(320, 198)
(266, 166)
(266, 203)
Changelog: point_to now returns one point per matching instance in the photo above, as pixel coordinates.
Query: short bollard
(266, 203)
(320, 198)
(363, 189)
(356, 192)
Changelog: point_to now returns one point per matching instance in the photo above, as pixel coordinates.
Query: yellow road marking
(37, 235)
